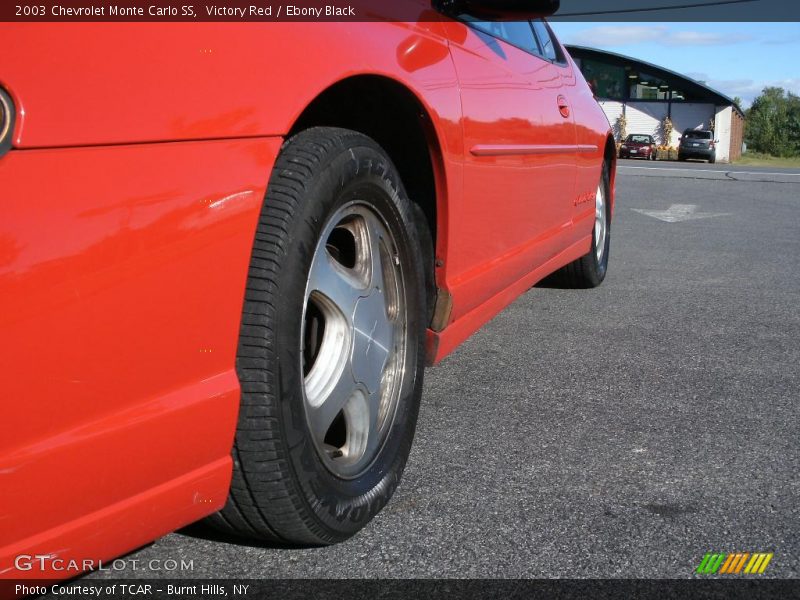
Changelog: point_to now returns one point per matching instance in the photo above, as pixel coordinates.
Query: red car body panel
(130, 201)
(121, 278)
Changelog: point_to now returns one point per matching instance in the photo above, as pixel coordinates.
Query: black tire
(713, 159)
(587, 271)
(281, 490)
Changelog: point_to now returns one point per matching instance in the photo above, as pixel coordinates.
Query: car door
(519, 158)
(584, 111)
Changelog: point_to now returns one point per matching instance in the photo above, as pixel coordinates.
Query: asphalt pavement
(617, 432)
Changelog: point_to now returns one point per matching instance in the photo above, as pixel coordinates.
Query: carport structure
(646, 94)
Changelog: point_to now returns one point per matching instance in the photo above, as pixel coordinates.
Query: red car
(638, 146)
(228, 251)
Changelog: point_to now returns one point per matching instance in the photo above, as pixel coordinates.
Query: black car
(698, 143)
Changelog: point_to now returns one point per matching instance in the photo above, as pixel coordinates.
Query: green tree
(773, 123)
(793, 125)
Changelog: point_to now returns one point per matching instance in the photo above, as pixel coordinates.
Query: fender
(207, 81)
(174, 82)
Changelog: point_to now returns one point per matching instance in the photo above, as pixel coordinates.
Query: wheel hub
(372, 342)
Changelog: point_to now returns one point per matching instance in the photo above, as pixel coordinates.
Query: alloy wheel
(600, 223)
(353, 340)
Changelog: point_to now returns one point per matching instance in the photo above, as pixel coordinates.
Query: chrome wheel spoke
(361, 419)
(360, 430)
(333, 281)
(375, 258)
(323, 414)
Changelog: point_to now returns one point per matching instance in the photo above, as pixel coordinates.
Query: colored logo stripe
(734, 562)
(710, 563)
(758, 563)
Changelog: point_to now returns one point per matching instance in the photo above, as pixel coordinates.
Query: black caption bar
(388, 10)
(430, 589)
(206, 10)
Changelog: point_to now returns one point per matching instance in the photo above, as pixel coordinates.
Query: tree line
(773, 123)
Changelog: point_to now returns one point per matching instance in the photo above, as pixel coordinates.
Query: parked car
(698, 143)
(638, 146)
(228, 252)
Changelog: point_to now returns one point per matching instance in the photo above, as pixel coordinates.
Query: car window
(546, 40)
(640, 139)
(516, 33)
(697, 135)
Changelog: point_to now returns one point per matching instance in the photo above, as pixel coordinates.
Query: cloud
(793, 39)
(628, 35)
(746, 89)
(616, 35)
(696, 38)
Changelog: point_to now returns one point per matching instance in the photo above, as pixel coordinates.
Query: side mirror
(500, 10)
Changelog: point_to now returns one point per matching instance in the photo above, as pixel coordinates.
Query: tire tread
(264, 501)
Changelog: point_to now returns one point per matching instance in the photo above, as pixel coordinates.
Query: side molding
(525, 150)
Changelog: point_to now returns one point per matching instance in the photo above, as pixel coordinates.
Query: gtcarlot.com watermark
(49, 562)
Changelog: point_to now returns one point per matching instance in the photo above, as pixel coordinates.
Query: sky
(737, 59)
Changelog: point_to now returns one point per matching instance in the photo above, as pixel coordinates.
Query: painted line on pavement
(720, 171)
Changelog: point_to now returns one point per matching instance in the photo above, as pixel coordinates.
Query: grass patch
(757, 159)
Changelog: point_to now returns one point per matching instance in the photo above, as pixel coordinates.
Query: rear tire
(589, 271)
(327, 412)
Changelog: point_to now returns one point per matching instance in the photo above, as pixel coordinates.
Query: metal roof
(687, 83)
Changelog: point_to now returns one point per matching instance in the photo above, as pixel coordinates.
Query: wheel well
(390, 114)
(610, 155)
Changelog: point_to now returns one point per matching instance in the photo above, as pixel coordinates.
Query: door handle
(563, 107)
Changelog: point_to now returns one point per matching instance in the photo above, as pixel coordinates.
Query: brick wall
(737, 135)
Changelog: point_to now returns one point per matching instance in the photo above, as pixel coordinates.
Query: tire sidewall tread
(292, 496)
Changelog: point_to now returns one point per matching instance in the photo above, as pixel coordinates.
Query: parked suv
(698, 143)
(638, 146)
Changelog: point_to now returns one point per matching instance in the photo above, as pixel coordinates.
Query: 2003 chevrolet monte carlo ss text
(228, 251)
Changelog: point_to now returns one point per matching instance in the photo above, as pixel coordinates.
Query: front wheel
(330, 354)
